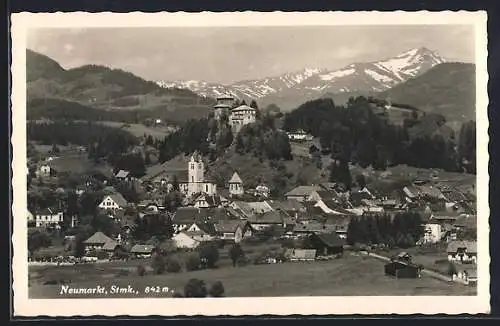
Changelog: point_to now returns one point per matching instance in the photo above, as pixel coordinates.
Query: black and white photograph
(308, 159)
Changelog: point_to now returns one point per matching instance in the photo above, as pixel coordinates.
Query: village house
(48, 218)
(327, 244)
(312, 227)
(44, 171)
(267, 219)
(466, 275)
(433, 232)
(462, 251)
(233, 230)
(331, 207)
(97, 242)
(142, 250)
(123, 175)
(400, 269)
(202, 231)
(302, 193)
(299, 135)
(207, 201)
(262, 191)
(113, 202)
(183, 240)
(235, 185)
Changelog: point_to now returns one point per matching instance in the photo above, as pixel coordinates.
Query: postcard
(250, 163)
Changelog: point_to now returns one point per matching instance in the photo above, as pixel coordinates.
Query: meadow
(347, 276)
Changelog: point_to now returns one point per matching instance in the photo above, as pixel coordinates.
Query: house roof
(229, 226)
(46, 211)
(454, 196)
(142, 249)
(314, 227)
(430, 191)
(110, 245)
(122, 174)
(235, 178)
(207, 227)
(260, 206)
(466, 221)
(326, 194)
(118, 199)
(288, 205)
(333, 205)
(270, 217)
(302, 191)
(213, 200)
(187, 215)
(243, 108)
(330, 239)
(470, 246)
(98, 238)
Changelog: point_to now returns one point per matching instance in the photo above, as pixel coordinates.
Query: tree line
(356, 133)
(402, 230)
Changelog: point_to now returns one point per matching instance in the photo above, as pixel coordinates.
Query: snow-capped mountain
(311, 83)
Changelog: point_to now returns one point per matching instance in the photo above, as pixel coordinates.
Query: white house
(113, 202)
(299, 135)
(44, 170)
(462, 251)
(47, 218)
(235, 185)
(185, 241)
(432, 232)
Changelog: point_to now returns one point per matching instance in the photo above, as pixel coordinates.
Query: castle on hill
(238, 115)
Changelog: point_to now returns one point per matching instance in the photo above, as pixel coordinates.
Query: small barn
(327, 243)
(400, 269)
(142, 251)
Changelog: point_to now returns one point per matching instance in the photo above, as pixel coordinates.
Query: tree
(195, 288)
(254, 105)
(209, 255)
(55, 150)
(173, 266)
(158, 263)
(217, 290)
(193, 262)
(141, 271)
(353, 231)
(236, 252)
(360, 180)
(36, 240)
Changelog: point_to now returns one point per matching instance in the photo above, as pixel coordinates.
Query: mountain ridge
(310, 83)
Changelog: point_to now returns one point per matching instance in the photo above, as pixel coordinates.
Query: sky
(230, 54)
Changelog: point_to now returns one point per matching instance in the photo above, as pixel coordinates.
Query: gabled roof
(235, 178)
(185, 215)
(142, 249)
(271, 217)
(454, 196)
(314, 227)
(326, 194)
(213, 200)
(470, 246)
(243, 108)
(300, 253)
(118, 199)
(288, 205)
(229, 226)
(260, 206)
(110, 245)
(46, 211)
(302, 191)
(333, 205)
(122, 174)
(98, 238)
(330, 239)
(207, 227)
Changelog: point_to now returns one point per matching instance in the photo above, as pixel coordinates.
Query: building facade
(240, 116)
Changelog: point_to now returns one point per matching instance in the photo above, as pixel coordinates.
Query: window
(192, 178)
(206, 188)
(192, 166)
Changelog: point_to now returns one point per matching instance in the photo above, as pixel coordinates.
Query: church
(195, 182)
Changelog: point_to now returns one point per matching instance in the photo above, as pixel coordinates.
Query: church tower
(196, 171)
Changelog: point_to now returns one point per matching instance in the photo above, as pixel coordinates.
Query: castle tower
(196, 173)
(236, 185)
(223, 106)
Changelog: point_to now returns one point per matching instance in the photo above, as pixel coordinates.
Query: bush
(193, 262)
(102, 255)
(195, 288)
(158, 264)
(173, 266)
(217, 290)
(209, 255)
(141, 271)
(452, 269)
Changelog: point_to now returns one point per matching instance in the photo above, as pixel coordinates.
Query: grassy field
(343, 277)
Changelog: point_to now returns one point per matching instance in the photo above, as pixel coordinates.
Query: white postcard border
(23, 306)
